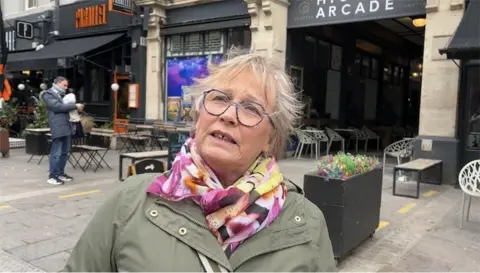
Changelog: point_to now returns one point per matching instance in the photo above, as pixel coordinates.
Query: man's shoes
(65, 178)
(53, 180)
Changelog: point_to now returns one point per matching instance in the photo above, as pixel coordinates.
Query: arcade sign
(306, 13)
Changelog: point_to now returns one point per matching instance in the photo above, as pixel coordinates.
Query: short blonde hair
(288, 107)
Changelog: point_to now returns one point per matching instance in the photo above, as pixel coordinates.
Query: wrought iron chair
(400, 149)
(319, 136)
(469, 180)
(334, 136)
(305, 139)
(371, 135)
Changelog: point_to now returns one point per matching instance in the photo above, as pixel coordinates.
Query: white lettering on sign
(360, 8)
(330, 8)
(346, 9)
(389, 5)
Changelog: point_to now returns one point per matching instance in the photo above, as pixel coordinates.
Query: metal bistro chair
(320, 137)
(371, 135)
(469, 180)
(305, 139)
(400, 149)
(334, 136)
(357, 135)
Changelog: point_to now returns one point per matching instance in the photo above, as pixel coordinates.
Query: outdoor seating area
(310, 139)
(137, 142)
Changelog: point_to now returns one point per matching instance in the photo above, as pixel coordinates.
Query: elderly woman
(225, 205)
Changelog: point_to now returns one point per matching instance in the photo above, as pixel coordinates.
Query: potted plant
(99, 140)
(348, 190)
(8, 116)
(37, 143)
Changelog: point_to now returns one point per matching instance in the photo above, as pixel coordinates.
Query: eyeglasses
(248, 113)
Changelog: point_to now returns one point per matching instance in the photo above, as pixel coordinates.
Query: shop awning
(55, 54)
(465, 43)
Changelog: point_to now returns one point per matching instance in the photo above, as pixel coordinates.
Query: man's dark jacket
(58, 117)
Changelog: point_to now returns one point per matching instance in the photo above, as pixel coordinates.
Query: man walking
(60, 128)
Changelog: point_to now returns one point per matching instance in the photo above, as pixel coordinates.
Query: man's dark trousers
(59, 155)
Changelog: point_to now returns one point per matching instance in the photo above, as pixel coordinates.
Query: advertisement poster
(181, 73)
(174, 105)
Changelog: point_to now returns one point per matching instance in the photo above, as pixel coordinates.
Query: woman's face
(248, 142)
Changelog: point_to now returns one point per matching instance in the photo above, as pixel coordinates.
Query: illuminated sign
(91, 16)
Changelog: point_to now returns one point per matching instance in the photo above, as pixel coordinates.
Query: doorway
(122, 109)
(470, 114)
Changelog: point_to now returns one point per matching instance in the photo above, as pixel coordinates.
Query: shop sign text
(91, 16)
(302, 13)
(327, 8)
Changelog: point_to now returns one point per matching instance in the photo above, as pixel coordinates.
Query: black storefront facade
(464, 50)
(95, 44)
(452, 140)
(326, 47)
(24, 34)
(196, 35)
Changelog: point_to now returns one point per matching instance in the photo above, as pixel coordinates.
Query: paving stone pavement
(40, 223)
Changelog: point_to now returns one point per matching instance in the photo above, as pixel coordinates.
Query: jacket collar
(285, 231)
(54, 93)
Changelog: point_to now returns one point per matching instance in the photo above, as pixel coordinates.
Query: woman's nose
(230, 115)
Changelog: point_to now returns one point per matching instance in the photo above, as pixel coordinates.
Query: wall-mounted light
(415, 74)
(115, 87)
(134, 44)
(21, 87)
(43, 86)
(419, 22)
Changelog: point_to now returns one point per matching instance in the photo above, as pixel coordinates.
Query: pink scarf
(235, 213)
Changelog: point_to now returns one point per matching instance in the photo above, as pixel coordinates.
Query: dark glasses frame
(263, 113)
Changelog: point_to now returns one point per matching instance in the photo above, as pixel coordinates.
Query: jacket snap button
(298, 219)
(153, 213)
(182, 231)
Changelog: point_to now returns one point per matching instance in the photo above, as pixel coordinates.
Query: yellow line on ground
(4, 207)
(78, 194)
(382, 224)
(405, 209)
(430, 193)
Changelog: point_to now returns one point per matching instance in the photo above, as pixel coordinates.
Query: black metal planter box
(351, 207)
(98, 141)
(36, 144)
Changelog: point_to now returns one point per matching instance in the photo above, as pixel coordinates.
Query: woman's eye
(220, 98)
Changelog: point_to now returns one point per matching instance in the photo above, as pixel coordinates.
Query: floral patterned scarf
(235, 213)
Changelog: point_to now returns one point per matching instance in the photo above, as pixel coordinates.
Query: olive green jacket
(133, 232)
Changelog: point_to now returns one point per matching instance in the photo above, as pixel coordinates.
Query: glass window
(366, 66)
(402, 73)
(374, 69)
(10, 39)
(193, 44)
(198, 43)
(240, 37)
(473, 89)
(324, 56)
(29, 4)
(396, 74)
(213, 42)
(387, 73)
